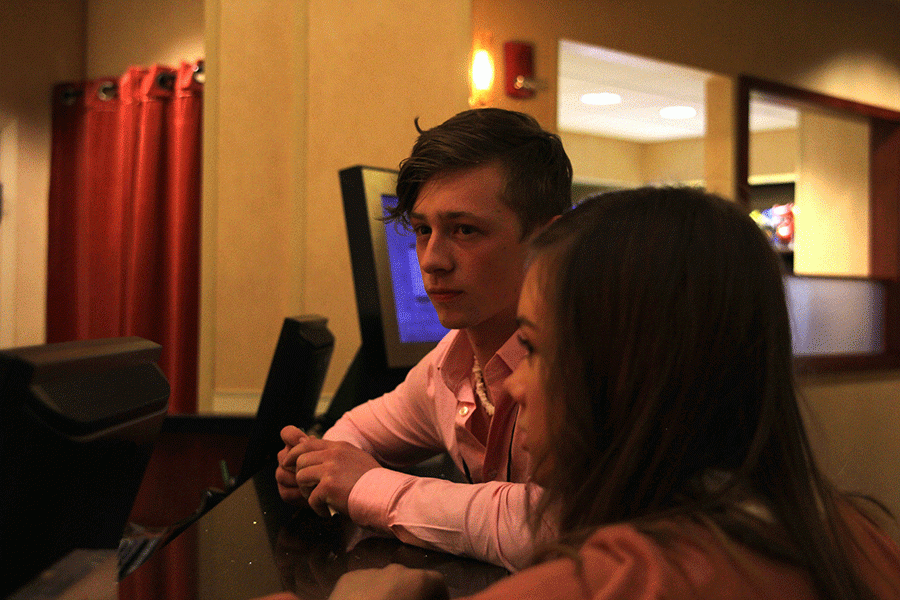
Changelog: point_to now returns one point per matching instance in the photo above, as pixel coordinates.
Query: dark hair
(672, 363)
(538, 174)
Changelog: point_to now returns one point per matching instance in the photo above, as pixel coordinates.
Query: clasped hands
(319, 472)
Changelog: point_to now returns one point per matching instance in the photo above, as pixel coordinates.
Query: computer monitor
(78, 422)
(291, 393)
(395, 315)
(397, 321)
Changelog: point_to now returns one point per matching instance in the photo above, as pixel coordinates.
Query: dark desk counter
(251, 544)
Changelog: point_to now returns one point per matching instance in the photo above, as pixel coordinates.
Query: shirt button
(463, 411)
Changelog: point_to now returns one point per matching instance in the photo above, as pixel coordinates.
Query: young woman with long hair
(660, 412)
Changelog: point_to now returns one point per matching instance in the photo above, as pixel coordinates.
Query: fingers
(328, 469)
(314, 477)
(286, 471)
(289, 457)
(296, 482)
(292, 436)
(310, 468)
(318, 501)
(288, 488)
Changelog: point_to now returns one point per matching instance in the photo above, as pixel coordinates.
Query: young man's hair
(671, 365)
(537, 172)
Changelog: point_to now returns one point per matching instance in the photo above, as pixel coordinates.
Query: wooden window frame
(884, 210)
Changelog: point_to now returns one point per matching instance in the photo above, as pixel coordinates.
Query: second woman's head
(659, 349)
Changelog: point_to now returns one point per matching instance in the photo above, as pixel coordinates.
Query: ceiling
(645, 87)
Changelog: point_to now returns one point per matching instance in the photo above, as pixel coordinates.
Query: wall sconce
(519, 73)
(481, 74)
(482, 71)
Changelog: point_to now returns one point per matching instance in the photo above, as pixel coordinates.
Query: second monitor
(397, 321)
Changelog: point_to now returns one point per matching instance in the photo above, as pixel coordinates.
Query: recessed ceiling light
(601, 98)
(677, 112)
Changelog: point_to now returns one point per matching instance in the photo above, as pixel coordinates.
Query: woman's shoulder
(701, 561)
(874, 549)
(685, 559)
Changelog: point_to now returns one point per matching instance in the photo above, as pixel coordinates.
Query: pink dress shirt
(429, 413)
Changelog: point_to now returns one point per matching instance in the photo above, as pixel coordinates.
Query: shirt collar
(456, 365)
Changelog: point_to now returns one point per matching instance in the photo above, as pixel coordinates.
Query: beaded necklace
(481, 389)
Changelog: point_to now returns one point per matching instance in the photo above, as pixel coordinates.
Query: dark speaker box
(78, 422)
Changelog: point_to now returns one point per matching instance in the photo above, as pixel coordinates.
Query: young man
(474, 190)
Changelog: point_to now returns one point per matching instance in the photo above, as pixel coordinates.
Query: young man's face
(470, 250)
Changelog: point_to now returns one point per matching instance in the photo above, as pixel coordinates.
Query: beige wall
(373, 69)
(676, 161)
(623, 163)
(615, 162)
(773, 156)
(603, 160)
(40, 44)
(331, 85)
(832, 196)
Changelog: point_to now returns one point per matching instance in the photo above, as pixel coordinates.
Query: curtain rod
(107, 90)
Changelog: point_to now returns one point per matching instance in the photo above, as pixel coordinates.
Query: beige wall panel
(674, 162)
(831, 206)
(254, 203)
(604, 161)
(373, 68)
(773, 155)
(720, 150)
(42, 44)
(853, 428)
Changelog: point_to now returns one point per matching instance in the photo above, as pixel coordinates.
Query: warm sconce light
(481, 74)
(519, 74)
(482, 71)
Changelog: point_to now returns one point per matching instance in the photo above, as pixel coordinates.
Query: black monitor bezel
(362, 188)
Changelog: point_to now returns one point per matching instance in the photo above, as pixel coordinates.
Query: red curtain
(124, 221)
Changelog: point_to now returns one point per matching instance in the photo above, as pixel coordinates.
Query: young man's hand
(286, 472)
(329, 470)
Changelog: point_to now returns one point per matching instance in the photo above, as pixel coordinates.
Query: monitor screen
(417, 320)
(396, 316)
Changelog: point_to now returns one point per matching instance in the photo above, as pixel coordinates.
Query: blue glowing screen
(416, 317)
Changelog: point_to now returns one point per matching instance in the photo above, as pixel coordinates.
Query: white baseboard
(235, 403)
(247, 403)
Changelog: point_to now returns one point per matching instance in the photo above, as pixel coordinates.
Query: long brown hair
(673, 362)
